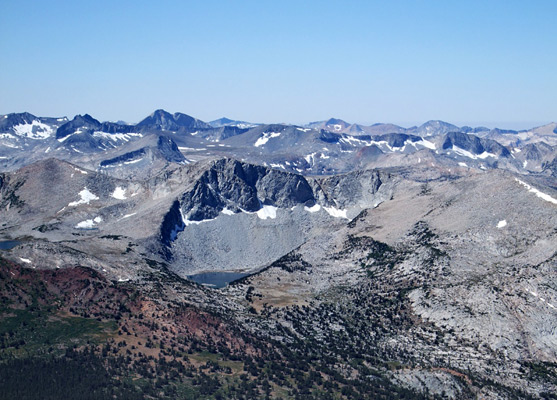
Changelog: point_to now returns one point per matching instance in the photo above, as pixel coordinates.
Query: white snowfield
(80, 171)
(86, 197)
(77, 132)
(541, 195)
(425, 143)
(310, 158)
(89, 223)
(313, 209)
(277, 166)
(34, 130)
(466, 153)
(191, 148)
(115, 137)
(119, 193)
(267, 212)
(384, 145)
(335, 212)
(265, 138)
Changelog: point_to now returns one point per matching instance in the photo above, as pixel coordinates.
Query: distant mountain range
(319, 148)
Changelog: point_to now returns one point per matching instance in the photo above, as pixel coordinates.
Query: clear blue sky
(473, 62)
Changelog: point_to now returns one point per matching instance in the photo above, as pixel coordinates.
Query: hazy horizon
(363, 61)
(519, 125)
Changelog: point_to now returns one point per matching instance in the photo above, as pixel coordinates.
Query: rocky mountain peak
(163, 120)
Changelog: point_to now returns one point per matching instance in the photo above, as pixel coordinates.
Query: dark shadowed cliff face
(172, 224)
(397, 139)
(474, 145)
(238, 186)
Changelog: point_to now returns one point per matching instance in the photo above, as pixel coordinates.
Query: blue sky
(473, 62)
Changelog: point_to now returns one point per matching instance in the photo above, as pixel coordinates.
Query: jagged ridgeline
(321, 148)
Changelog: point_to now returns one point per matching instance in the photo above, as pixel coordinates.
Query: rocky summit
(175, 258)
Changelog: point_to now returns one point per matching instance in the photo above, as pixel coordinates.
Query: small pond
(8, 244)
(216, 280)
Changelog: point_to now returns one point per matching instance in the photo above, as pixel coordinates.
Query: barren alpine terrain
(176, 258)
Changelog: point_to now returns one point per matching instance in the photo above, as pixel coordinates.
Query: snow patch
(502, 224)
(115, 137)
(128, 215)
(34, 130)
(543, 300)
(355, 141)
(226, 211)
(335, 212)
(89, 223)
(267, 212)
(313, 209)
(188, 222)
(277, 166)
(541, 195)
(64, 138)
(466, 153)
(119, 193)
(310, 158)
(425, 143)
(80, 170)
(265, 138)
(462, 164)
(25, 260)
(86, 197)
